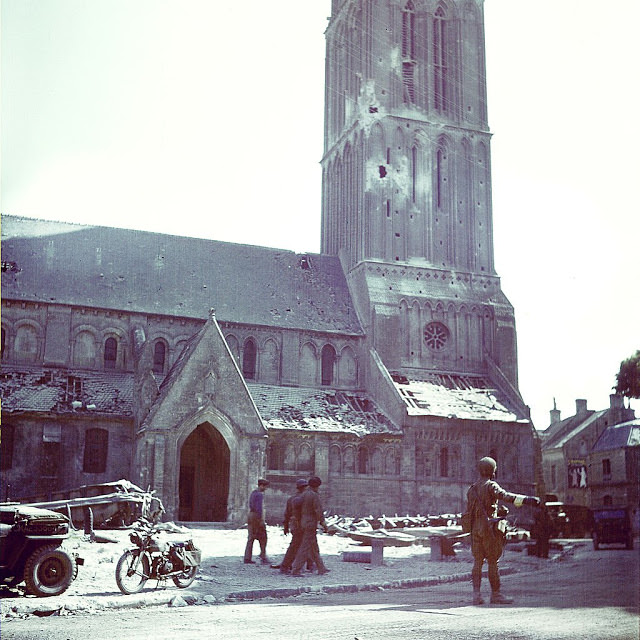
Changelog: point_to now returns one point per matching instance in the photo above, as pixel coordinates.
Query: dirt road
(591, 595)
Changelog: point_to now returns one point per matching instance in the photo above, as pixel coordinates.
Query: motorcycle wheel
(49, 571)
(132, 572)
(184, 579)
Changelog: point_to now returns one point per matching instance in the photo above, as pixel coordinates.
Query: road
(592, 596)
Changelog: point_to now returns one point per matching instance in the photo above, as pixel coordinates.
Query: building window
(444, 462)
(328, 363)
(607, 501)
(4, 339)
(110, 353)
(606, 469)
(159, 354)
(96, 444)
(274, 456)
(7, 433)
(436, 336)
(26, 344)
(249, 360)
(363, 460)
(553, 475)
(408, 52)
(440, 71)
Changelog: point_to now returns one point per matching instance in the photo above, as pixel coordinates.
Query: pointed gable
(205, 375)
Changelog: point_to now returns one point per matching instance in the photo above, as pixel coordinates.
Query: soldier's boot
(498, 598)
(477, 598)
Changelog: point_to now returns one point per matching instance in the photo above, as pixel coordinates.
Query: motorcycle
(156, 559)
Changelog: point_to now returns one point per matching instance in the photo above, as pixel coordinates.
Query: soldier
(291, 524)
(482, 503)
(256, 528)
(311, 514)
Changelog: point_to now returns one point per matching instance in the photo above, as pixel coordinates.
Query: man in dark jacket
(291, 524)
(256, 528)
(311, 515)
(486, 542)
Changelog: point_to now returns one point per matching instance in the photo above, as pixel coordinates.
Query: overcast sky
(204, 118)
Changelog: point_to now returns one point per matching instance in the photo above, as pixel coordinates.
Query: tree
(628, 378)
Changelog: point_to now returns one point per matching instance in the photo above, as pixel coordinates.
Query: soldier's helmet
(487, 467)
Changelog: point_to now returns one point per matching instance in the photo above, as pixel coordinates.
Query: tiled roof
(171, 275)
(452, 396)
(306, 409)
(626, 434)
(44, 389)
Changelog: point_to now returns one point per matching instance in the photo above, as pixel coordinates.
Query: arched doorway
(204, 476)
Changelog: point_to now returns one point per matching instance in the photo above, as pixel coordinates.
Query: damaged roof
(156, 273)
(305, 409)
(453, 396)
(45, 389)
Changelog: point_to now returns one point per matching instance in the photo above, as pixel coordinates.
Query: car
(612, 525)
(31, 550)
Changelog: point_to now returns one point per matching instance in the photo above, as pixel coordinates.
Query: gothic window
(363, 460)
(110, 353)
(26, 344)
(159, 356)
(249, 360)
(274, 455)
(436, 336)
(606, 469)
(376, 462)
(335, 459)
(408, 52)
(440, 71)
(4, 338)
(84, 349)
(305, 459)
(444, 462)
(441, 178)
(328, 358)
(349, 460)
(290, 457)
(96, 443)
(414, 172)
(7, 434)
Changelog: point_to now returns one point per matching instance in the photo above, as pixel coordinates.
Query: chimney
(581, 407)
(554, 414)
(616, 409)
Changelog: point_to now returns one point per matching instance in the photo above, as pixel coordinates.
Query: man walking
(291, 524)
(311, 514)
(486, 542)
(257, 529)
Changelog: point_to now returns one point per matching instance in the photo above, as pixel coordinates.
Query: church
(386, 364)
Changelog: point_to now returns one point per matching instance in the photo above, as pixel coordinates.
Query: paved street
(591, 596)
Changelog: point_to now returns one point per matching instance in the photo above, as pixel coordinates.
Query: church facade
(386, 364)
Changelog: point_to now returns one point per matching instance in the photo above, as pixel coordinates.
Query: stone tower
(407, 183)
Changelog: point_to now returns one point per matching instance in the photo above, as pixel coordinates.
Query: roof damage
(452, 396)
(319, 410)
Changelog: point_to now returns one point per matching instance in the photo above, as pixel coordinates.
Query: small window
(249, 360)
(444, 462)
(110, 353)
(328, 364)
(50, 461)
(159, 354)
(363, 460)
(96, 443)
(606, 469)
(7, 433)
(607, 501)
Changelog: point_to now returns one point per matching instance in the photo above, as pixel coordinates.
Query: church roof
(327, 410)
(154, 273)
(453, 396)
(45, 389)
(626, 434)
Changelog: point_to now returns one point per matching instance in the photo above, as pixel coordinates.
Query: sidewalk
(223, 576)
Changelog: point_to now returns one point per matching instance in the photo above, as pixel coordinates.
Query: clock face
(436, 336)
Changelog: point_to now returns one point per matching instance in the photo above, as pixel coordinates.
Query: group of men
(303, 514)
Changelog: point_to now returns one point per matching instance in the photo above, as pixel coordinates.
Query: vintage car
(612, 525)
(31, 552)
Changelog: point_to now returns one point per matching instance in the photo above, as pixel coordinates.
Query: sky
(205, 118)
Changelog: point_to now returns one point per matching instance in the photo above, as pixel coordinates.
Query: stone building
(568, 445)
(386, 364)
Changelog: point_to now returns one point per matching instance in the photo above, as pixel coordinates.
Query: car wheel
(49, 571)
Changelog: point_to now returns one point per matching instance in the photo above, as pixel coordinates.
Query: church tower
(407, 183)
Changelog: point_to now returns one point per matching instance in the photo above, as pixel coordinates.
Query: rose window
(436, 335)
